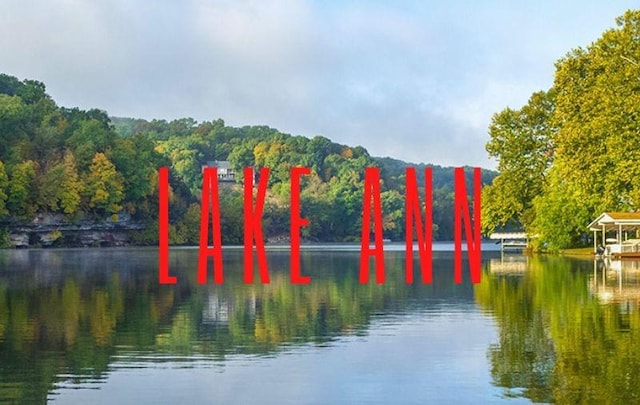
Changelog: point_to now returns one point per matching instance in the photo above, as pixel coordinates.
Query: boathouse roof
(508, 235)
(615, 220)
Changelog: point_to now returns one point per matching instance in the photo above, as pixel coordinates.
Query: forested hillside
(85, 165)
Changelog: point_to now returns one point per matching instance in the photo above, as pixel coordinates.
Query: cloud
(415, 80)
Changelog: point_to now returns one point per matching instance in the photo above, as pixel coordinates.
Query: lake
(94, 326)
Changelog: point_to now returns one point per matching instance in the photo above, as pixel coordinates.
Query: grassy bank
(583, 251)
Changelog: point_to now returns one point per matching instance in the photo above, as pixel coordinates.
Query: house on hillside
(226, 174)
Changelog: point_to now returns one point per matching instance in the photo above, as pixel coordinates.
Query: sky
(414, 80)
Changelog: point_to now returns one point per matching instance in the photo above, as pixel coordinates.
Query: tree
(318, 148)
(393, 214)
(12, 115)
(521, 141)
(71, 187)
(597, 159)
(22, 190)
(4, 185)
(562, 215)
(59, 187)
(104, 186)
(92, 135)
(136, 159)
(242, 156)
(49, 186)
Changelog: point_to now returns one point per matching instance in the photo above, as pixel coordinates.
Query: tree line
(86, 165)
(571, 152)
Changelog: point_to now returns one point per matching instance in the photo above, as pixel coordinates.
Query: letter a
(210, 199)
(371, 189)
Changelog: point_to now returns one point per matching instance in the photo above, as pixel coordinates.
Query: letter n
(413, 215)
(371, 197)
(461, 213)
(210, 201)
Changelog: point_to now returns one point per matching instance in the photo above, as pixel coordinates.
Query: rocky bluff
(52, 230)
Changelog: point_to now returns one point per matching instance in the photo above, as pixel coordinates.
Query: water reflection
(509, 264)
(67, 318)
(569, 330)
(548, 329)
(616, 281)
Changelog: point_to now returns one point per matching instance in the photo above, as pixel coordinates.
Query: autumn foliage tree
(103, 186)
(71, 187)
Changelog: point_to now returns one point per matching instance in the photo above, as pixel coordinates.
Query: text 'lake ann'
(254, 198)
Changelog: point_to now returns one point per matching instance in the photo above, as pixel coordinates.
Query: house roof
(220, 164)
(615, 220)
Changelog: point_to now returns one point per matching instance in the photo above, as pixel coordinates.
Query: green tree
(60, 187)
(521, 141)
(49, 186)
(4, 185)
(187, 155)
(22, 190)
(571, 153)
(13, 113)
(393, 214)
(597, 114)
(92, 135)
(562, 215)
(187, 231)
(136, 159)
(242, 156)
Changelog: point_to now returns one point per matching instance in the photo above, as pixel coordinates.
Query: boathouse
(616, 234)
(511, 240)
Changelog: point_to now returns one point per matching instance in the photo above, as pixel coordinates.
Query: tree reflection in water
(67, 316)
(559, 340)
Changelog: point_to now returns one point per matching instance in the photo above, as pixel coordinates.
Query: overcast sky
(416, 80)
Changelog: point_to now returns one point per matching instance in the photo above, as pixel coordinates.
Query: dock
(511, 240)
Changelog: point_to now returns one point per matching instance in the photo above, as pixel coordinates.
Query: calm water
(94, 326)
